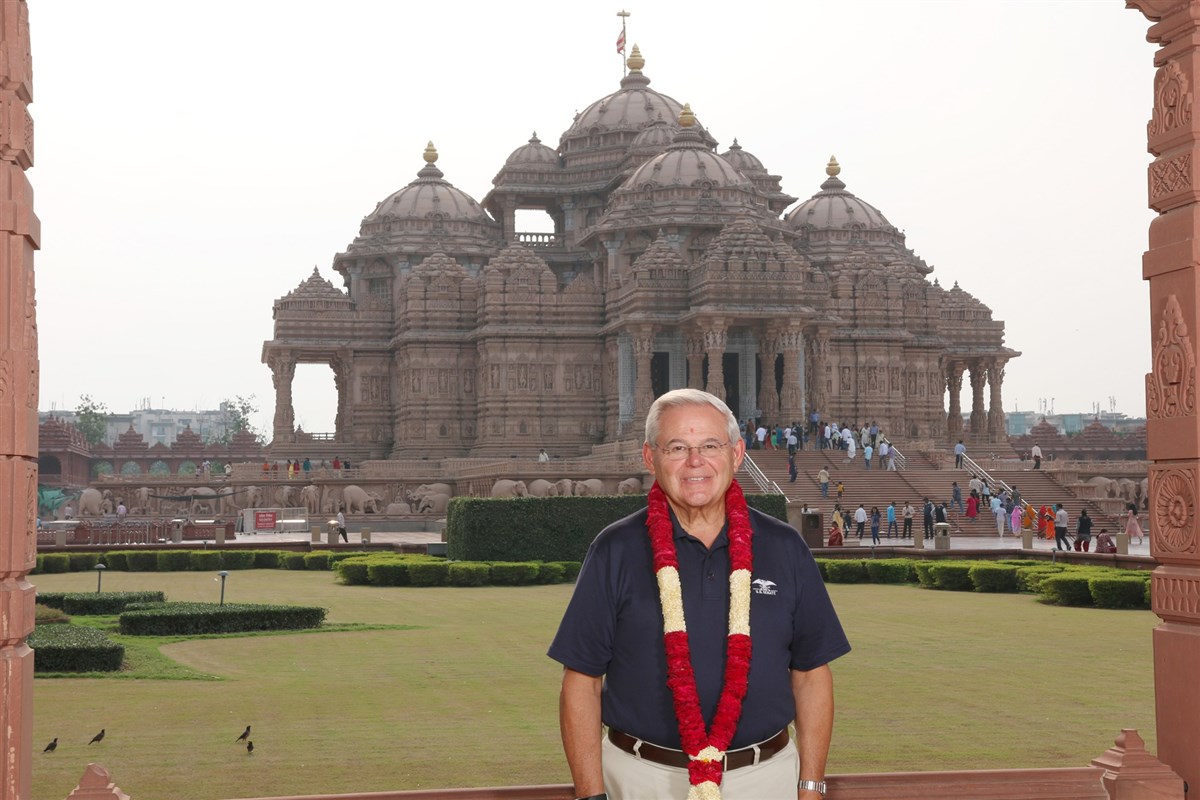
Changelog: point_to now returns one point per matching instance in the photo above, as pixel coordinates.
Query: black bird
(50, 748)
(245, 735)
(250, 747)
(98, 737)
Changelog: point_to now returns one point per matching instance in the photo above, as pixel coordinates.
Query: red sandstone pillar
(643, 353)
(716, 337)
(695, 360)
(1173, 428)
(954, 376)
(19, 232)
(790, 342)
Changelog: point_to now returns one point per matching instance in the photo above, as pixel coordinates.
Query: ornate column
(283, 369)
(695, 359)
(818, 343)
(643, 353)
(768, 395)
(1172, 425)
(790, 342)
(995, 379)
(19, 231)
(978, 415)
(954, 376)
(342, 366)
(716, 336)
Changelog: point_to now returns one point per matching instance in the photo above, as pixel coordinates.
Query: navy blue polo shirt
(613, 627)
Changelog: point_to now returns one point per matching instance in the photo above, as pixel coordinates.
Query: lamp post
(223, 575)
(99, 575)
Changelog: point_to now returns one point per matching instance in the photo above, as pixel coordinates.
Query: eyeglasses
(680, 452)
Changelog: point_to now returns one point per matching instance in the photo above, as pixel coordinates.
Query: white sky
(195, 161)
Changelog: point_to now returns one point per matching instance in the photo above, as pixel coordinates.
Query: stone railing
(531, 239)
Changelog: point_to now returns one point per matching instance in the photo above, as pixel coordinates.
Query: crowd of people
(297, 468)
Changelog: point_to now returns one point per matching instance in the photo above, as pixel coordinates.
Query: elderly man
(725, 599)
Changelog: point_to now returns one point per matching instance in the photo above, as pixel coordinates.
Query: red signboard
(265, 520)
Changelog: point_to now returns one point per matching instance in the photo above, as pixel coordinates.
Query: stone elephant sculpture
(433, 503)
(285, 496)
(145, 503)
(398, 507)
(90, 503)
(631, 486)
(359, 501)
(540, 488)
(1105, 487)
(1127, 489)
(506, 488)
(310, 498)
(563, 488)
(590, 487)
(331, 500)
(203, 498)
(424, 489)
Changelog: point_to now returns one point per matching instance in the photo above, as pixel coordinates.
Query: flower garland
(705, 748)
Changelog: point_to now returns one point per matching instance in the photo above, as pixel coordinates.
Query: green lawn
(466, 696)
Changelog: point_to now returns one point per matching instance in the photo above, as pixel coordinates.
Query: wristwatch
(812, 786)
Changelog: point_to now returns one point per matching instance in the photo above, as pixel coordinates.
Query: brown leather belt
(734, 759)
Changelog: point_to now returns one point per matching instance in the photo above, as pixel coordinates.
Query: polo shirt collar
(722, 539)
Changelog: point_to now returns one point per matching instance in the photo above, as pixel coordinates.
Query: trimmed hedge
(292, 560)
(174, 560)
(56, 562)
(205, 560)
(238, 559)
(1029, 579)
(547, 528)
(514, 573)
(92, 603)
(924, 570)
(72, 648)
(319, 560)
(550, 572)
(142, 560)
(1067, 589)
(431, 573)
(82, 562)
(117, 559)
(1118, 592)
(266, 559)
(470, 573)
(989, 577)
(189, 619)
(953, 576)
(570, 570)
(353, 571)
(890, 570)
(848, 571)
(45, 615)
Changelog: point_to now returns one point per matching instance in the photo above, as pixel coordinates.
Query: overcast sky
(195, 161)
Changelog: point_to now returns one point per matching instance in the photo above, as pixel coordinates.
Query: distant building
(155, 425)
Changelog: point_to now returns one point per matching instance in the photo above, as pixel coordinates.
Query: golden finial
(430, 153)
(686, 118)
(635, 62)
(832, 168)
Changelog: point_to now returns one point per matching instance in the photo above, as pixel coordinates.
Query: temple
(670, 265)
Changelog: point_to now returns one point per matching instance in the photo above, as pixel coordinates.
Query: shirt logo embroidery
(762, 586)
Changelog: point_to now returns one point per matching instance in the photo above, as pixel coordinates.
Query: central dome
(632, 107)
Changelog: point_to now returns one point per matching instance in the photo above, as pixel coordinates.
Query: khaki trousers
(627, 777)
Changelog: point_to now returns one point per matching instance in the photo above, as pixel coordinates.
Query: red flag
(621, 42)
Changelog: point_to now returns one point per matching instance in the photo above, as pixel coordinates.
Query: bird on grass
(250, 748)
(99, 737)
(50, 748)
(245, 735)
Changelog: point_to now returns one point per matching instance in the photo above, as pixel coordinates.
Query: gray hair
(687, 397)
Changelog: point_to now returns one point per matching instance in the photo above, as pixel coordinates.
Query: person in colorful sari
(753, 653)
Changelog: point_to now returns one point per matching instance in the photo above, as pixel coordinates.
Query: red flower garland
(680, 677)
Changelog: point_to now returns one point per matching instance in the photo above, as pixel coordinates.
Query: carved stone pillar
(978, 415)
(643, 354)
(768, 394)
(19, 233)
(695, 360)
(995, 378)
(716, 337)
(819, 357)
(1172, 424)
(791, 407)
(342, 366)
(283, 369)
(954, 376)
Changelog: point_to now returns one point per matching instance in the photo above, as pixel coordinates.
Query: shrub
(37, 565)
(292, 560)
(430, 573)
(393, 572)
(924, 570)
(1067, 589)
(1029, 579)
(953, 576)
(237, 559)
(889, 570)
(56, 562)
(46, 615)
(84, 603)
(50, 599)
(205, 560)
(513, 573)
(994, 577)
(72, 648)
(550, 572)
(821, 562)
(848, 571)
(189, 619)
(266, 559)
(82, 562)
(316, 560)
(353, 571)
(470, 573)
(1118, 592)
(335, 557)
(570, 570)
(174, 560)
(116, 559)
(142, 560)
(1149, 595)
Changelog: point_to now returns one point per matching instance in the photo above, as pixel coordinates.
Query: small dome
(687, 162)
(834, 207)
(743, 160)
(428, 196)
(534, 154)
(658, 135)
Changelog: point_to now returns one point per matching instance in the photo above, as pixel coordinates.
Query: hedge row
(414, 570)
(189, 619)
(547, 528)
(72, 648)
(96, 602)
(186, 560)
(1070, 585)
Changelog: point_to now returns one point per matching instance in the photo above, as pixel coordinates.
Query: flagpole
(624, 15)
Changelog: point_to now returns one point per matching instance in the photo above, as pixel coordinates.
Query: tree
(236, 415)
(91, 418)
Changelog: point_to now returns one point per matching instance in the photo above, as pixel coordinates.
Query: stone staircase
(923, 477)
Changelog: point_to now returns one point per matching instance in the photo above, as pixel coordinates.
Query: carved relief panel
(1171, 386)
